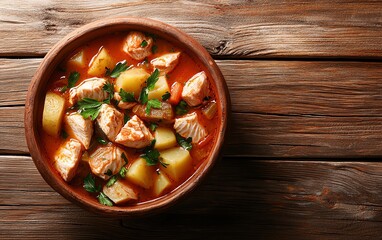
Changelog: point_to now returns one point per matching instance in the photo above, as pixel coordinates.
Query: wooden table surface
(303, 153)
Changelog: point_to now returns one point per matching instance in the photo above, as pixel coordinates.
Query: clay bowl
(35, 102)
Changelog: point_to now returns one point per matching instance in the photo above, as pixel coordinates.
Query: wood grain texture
(280, 108)
(257, 200)
(245, 29)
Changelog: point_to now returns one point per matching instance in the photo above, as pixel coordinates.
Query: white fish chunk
(67, 158)
(122, 104)
(167, 62)
(89, 88)
(110, 121)
(137, 45)
(120, 192)
(134, 134)
(196, 89)
(189, 126)
(106, 161)
(79, 128)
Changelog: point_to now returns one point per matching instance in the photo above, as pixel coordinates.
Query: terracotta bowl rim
(75, 39)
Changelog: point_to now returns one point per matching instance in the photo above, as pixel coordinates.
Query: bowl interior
(37, 90)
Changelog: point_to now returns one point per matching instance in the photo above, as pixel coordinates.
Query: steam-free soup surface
(129, 117)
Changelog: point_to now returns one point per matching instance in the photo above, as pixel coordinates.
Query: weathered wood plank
(257, 199)
(229, 28)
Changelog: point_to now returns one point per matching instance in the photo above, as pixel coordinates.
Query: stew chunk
(89, 88)
(67, 158)
(106, 161)
(110, 121)
(134, 134)
(167, 62)
(120, 192)
(196, 89)
(137, 45)
(80, 128)
(189, 126)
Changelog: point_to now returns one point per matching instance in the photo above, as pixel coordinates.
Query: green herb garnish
(73, 78)
(166, 96)
(152, 79)
(123, 172)
(125, 118)
(123, 156)
(111, 181)
(144, 43)
(154, 49)
(89, 184)
(181, 108)
(109, 172)
(127, 96)
(185, 143)
(101, 140)
(103, 199)
(152, 103)
(144, 96)
(153, 126)
(118, 69)
(89, 108)
(151, 156)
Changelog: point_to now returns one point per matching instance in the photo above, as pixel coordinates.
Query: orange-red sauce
(186, 68)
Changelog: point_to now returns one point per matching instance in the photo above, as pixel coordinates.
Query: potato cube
(78, 60)
(179, 163)
(164, 138)
(160, 88)
(132, 80)
(141, 174)
(54, 107)
(161, 183)
(120, 192)
(100, 62)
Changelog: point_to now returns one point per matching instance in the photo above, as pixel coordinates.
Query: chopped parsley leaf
(181, 108)
(127, 96)
(112, 180)
(118, 69)
(166, 96)
(153, 103)
(89, 184)
(103, 199)
(89, 108)
(185, 143)
(153, 126)
(73, 78)
(144, 43)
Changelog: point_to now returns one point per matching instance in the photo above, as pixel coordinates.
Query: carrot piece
(176, 93)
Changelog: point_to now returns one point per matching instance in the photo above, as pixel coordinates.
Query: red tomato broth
(185, 69)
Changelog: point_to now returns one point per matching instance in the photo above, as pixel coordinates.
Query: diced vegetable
(53, 112)
(164, 138)
(120, 192)
(176, 93)
(100, 62)
(141, 174)
(210, 110)
(162, 182)
(161, 87)
(132, 80)
(164, 113)
(78, 60)
(179, 162)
